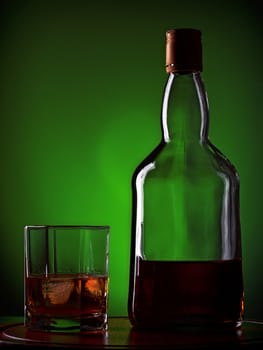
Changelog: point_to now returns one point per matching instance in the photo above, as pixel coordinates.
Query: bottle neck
(185, 114)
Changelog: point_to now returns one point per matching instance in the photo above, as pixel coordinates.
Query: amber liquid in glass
(64, 302)
(199, 293)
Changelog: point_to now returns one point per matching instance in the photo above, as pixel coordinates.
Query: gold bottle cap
(183, 50)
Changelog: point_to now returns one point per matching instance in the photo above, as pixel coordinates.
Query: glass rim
(88, 227)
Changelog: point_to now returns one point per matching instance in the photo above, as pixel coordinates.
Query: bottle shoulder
(222, 161)
(191, 157)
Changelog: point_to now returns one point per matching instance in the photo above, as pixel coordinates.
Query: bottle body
(186, 262)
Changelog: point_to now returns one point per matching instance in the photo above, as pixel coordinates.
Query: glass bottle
(186, 262)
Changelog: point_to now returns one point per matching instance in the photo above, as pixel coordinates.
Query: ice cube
(93, 286)
(57, 290)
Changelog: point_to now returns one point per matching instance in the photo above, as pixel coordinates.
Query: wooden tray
(121, 335)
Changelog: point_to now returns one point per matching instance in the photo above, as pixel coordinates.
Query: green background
(81, 86)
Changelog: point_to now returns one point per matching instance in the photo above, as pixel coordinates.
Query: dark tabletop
(120, 335)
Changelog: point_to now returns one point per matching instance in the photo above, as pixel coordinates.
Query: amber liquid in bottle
(170, 294)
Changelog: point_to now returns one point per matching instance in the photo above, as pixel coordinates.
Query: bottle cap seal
(183, 50)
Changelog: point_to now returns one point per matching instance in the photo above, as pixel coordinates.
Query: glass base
(92, 324)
